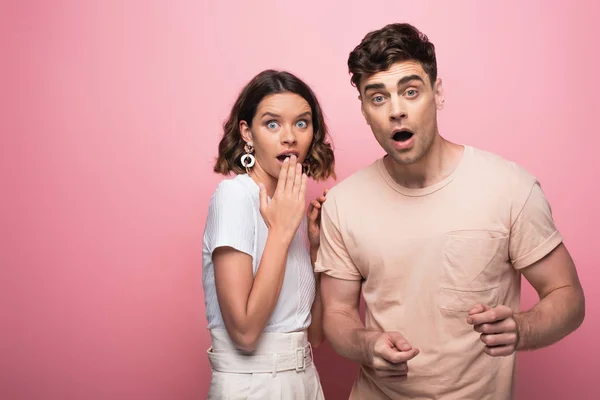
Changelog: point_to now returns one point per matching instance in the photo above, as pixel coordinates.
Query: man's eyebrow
(373, 86)
(404, 80)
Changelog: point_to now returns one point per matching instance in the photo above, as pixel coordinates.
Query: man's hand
(389, 353)
(498, 329)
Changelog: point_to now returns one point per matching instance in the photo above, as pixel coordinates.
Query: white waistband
(275, 352)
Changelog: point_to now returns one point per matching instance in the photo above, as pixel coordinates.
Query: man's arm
(341, 320)
(535, 249)
(560, 311)
(561, 308)
(385, 352)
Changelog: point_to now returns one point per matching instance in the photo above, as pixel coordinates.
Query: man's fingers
(478, 308)
(395, 356)
(506, 325)
(499, 351)
(402, 344)
(408, 355)
(385, 366)
(492, 315)
(389, 371)
(499, 339)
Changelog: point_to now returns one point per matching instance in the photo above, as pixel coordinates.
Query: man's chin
(404, 157)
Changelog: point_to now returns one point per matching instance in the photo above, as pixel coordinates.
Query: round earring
(248, 159)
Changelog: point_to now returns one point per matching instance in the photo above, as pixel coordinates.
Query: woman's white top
(234, 220)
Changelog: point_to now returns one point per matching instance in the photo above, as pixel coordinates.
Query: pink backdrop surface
(110, 116)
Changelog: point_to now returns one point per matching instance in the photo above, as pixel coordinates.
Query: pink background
(110, 115)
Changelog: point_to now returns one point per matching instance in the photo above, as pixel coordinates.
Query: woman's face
(282, 126)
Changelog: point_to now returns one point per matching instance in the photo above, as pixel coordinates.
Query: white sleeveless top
(234, 220)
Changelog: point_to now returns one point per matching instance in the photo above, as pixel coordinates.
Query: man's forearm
(348, 336)
(554, 317)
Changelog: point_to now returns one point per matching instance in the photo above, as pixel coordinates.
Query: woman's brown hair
(320, 159)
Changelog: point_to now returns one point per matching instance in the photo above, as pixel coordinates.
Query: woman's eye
(272, 125)
(302, 124)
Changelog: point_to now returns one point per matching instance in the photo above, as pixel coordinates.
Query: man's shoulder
(356, 183)
(498, 169)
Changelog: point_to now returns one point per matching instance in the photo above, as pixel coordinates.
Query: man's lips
(402, 135)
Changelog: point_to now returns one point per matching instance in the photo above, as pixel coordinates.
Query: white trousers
(281, 368)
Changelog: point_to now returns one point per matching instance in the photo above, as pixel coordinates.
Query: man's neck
(440, 161)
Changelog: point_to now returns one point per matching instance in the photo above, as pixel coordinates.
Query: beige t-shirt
(427, 256)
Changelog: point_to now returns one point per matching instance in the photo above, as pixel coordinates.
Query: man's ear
(438, 93)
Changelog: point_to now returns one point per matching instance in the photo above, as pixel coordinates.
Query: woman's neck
(258, 175)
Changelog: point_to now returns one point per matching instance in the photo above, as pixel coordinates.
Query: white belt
(237, 362)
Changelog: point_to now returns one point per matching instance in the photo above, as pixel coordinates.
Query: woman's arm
(246, 301)
(316, 335)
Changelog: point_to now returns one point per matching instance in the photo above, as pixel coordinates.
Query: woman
(262, 300)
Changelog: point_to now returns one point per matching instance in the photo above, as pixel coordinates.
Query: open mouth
(402, 136)
(282, 157)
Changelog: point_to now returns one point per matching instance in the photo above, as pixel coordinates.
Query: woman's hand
(314, 223)
(284, 212)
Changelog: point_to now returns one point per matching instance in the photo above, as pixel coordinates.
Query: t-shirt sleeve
(333, 258)
(230, 220)
(533, 233)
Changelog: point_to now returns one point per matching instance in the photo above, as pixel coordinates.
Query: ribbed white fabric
(234, 220)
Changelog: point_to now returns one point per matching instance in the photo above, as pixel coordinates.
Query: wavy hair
(320, 158)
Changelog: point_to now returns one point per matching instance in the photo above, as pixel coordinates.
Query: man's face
(401, 106)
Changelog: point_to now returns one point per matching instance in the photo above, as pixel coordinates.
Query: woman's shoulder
(234, 189)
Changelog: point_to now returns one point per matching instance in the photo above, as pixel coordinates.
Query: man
(436, 235)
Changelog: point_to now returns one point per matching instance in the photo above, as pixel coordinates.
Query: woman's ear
(245, 132)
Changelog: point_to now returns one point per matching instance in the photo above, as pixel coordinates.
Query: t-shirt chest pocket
(472, 263)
